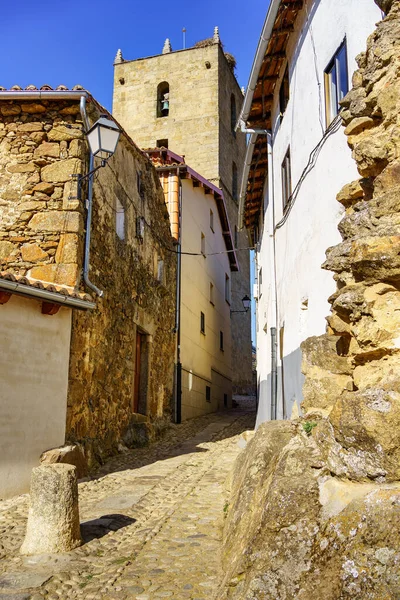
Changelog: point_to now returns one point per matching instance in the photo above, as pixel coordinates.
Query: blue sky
(75, 42)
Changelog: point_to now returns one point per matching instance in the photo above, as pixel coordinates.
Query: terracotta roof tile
(43, 285)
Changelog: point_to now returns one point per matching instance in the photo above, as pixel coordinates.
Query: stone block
(350, 193)
(29, 127)
(60, 273)
(9, 110)
(77, 149)
(33, 253)
(57, 221)
(63, 132)
(68, 248)
(61, 171)
(53, 519)
(71, 455)
(48, 149)
(33, 108)
(22, 168)
(6, 249)
(44, 187)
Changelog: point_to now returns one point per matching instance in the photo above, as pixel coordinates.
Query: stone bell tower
(188, 100)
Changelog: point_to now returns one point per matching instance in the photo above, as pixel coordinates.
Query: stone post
(53, 520)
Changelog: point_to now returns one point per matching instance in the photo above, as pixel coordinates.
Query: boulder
(71, 455)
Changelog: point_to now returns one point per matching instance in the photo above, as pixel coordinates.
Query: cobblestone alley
(151, 521)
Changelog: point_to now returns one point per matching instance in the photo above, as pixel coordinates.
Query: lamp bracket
(81, 178)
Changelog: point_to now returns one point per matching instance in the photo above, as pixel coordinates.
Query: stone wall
(102, 368)
(41, 230)
(198, 126)
(42, 236)
(315, 503)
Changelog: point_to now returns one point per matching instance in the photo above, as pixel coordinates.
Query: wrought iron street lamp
(246, 301)
(103, 138)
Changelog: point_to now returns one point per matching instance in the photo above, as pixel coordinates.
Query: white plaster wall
(302, 286)
(33, 388)
(200, 354)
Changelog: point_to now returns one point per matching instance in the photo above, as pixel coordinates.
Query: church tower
(188, 101)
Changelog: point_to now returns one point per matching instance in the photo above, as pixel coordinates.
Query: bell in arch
(165, 105)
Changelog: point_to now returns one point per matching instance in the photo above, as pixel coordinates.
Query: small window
(336, 83)
(234, 182)
(236, 237)
(233, 115)
(227, 289)
(211, 220)
(211, 293)
(221, 340)
(139, 184)
(160, 271)
(284, 92)
(163, 99)
(202, 323)
(260, 281)
(286, 179)
(162, 143)
(225, 399)
(203, 244)
(119, 220)
(208, 393)
(140, 228)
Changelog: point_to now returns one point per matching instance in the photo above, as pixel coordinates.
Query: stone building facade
(122, 352)
(203, 101)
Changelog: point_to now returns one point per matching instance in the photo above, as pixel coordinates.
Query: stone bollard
(53, 519)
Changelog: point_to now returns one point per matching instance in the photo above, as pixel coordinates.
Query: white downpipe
(272, 269)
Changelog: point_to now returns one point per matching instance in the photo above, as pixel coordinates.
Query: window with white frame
(336, 82)
(119, 219)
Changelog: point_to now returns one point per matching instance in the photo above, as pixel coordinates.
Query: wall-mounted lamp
(103, 138)
(246, 301)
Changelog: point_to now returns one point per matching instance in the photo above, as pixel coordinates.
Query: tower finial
(167, 47)
(216, 36)
(118, 57)
(243, 89)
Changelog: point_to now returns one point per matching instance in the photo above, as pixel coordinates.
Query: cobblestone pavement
(151, 521)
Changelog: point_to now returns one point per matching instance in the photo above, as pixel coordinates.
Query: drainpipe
(274, 302)
(89, 206)
(178, 386)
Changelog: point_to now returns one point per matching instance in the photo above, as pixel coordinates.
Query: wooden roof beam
(282, 31)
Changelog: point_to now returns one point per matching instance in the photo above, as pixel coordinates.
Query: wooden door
(136, 389)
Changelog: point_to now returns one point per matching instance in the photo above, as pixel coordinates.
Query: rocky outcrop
(315, 503)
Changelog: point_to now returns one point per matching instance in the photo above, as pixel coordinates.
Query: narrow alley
(151, 521)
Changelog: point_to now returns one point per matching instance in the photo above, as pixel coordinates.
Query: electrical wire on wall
(312, 159)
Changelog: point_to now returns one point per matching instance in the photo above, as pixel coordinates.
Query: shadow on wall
(290, 389)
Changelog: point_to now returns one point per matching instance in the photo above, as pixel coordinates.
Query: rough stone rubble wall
(314, 504)
(41, 230)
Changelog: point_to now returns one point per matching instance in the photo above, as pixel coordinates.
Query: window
(225, 399)
(260, 283)
(202, 323)
(162, 143)
(160, 270)
(234, 182)
(140, 228)
(286, 179)
(119, 220)
(203, 244)
(227, 289)
(236, 237)
(233, 115)
(139, 184)
(284, 92)
(163, 99)
(211, 220)
(208, 393)
(336, 82)
(221, 340)
(211, 293)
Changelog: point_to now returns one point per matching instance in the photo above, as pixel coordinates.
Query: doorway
(139, 374)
